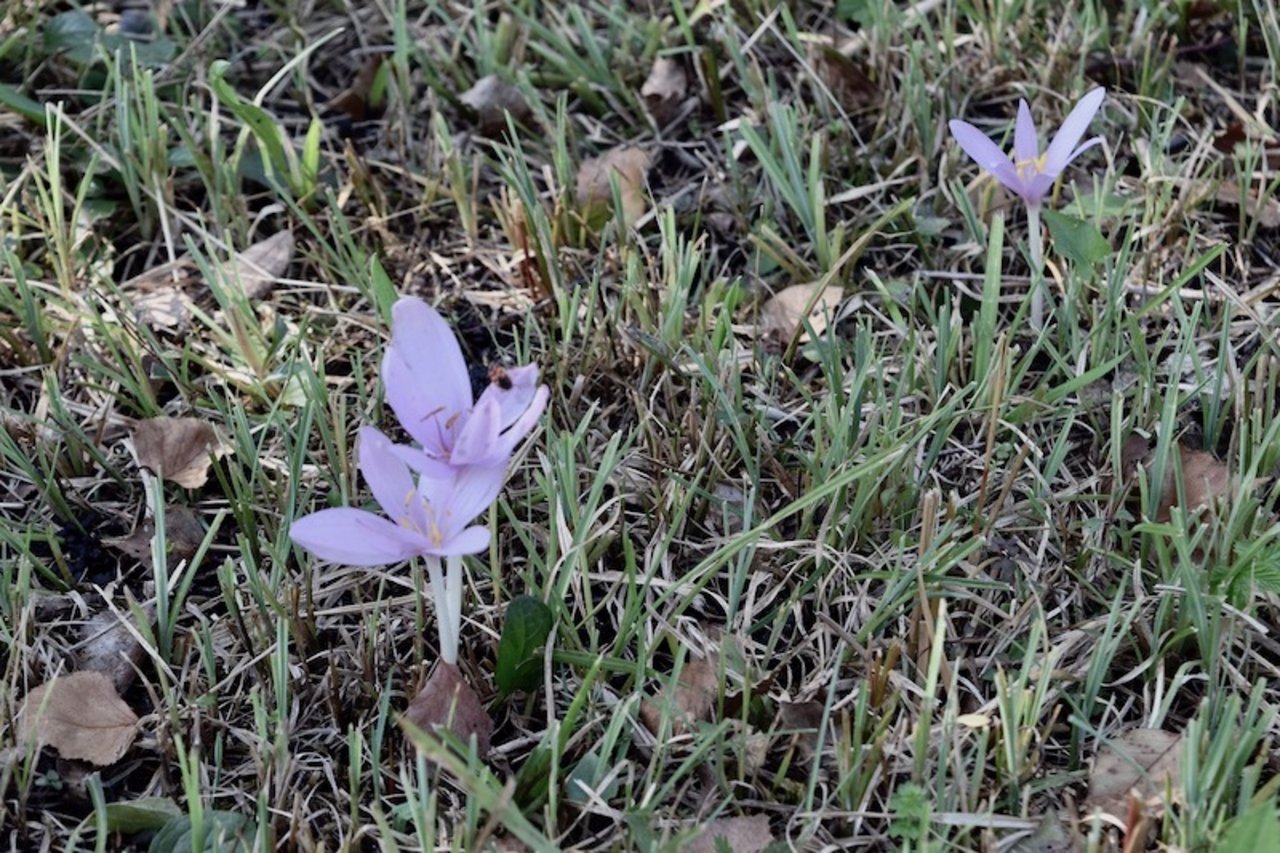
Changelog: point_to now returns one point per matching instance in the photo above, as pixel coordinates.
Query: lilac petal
(387, 475)
(424, 373)
(473, 540)
(1097, 140)
(516, 397)
(479, 435)
(354, 537)
(1037, 188)
(473, 489)
(986, 154)
(1071, 132)
(507, 442)
(422, 462)
(1026, 148)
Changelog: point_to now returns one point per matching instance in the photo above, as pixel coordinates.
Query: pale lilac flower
(429, 388)
(1029, 173)
(429, 518)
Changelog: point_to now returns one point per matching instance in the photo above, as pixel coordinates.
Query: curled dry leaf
(664, 89)
(109, 645)
(689, 701)
(354, 100)
(493, 99)
(630, 164)
(740, 834)
(447, 701)
(81, 716)
(183, 534)
(1204, 478)
(1141, 759)
(179, 450)
(256, 269)
(781, 316)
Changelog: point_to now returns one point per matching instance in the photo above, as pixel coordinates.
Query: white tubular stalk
(455, 599)
(1036, 248)
(444, 623)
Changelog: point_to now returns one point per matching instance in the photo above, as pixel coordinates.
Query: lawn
(832, 488)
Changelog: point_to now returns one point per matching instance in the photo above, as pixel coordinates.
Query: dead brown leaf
(493, 98)
(257, 267)
(804, 720)
(1266, 211)
(781, 316)
(81, 716)
(847, 78)
(109, 646)
(1052, 835)
(631, 165)
(179, 450)
(690, 701)
(183, 534)
(354, 100)
(741, 834)
(664, 89)
(447, 701)
(1204, 478)
(1141, 759)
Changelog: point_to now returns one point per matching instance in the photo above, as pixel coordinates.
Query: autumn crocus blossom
(428, 386)
(1028, 173)
(429, 517)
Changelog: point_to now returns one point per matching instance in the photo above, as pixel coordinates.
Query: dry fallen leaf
(846, 78)
(741, 834)
(1204, 478)
(179, 450)
(781, 316)
(1144, 759)
(183, 534)
(804, 721)
(493, 98)
(109, 646)
(664, 89)
(257, 267)
(81, 716)
(1266, 212)
(690, 701)
(354, 100)
(446, 700)
(631, 164)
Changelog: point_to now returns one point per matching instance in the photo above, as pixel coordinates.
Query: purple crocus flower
(428, 386)
(428, 518)
(1030, 174)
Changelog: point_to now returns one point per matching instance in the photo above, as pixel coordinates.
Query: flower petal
(507, 442)
(1072, 131)
(473, 489)
(387, 475)
(424, 373)
(1026, 148)
(479, 436)
(986, 154)
(473, 540)
(515, 397)
(422, 462)
(354, 537)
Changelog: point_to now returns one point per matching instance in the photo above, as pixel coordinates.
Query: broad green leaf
(224, 832)
(140, 815)
(1075, 239)
(28, 108)
(1256, 829)
(526, 628)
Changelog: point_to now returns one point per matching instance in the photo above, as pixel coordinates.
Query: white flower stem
(455, 584)
(1036, 248)
(444, 623)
